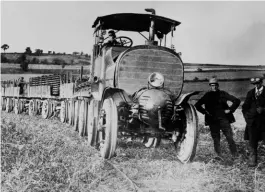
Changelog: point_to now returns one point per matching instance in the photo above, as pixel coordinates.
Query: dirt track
(55, 158)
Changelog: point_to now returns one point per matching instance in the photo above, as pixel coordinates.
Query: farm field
(46, 155)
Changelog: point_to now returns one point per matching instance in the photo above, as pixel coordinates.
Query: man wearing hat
(112, 39)
(253, 111)
(218, 115)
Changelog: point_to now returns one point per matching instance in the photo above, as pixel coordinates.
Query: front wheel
(187, 145)
(108, 129)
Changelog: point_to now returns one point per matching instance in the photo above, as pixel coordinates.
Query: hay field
(46, 155)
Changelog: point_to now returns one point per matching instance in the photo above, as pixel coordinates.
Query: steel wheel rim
(70, 112)
(76, 110)
(16, 107)
(188, 146)
(62, 112)
(81, 118)
(45, 109)
(8, 105)
(91, 123)
(31, 107)
(108, 125)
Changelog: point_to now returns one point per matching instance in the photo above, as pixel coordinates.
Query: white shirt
(258, 91)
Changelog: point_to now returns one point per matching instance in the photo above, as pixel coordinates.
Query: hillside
(57, 59)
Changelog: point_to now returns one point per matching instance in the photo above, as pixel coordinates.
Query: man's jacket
(215, 104)
(250, 111)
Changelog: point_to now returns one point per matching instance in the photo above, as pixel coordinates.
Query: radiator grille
(136, 65)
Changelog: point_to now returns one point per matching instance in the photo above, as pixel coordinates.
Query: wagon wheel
(70, 112)
(77, 104)
(16, 106)
(32, 107)
(45, 109)
(63, 112)
(66, 111)
(50, 108)
(3, 104)
(92, 113)
(82, 118)
(39, 102)
(20, 106)
(187, 146)
(108, 129)
(8, 105)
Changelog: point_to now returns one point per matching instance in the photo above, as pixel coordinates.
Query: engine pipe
(152, 26)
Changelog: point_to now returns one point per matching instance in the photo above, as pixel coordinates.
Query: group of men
(219, 116)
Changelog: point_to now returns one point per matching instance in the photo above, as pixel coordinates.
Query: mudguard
(119, 96)
(183, 98)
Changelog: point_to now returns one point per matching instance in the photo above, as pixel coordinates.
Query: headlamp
(156, 79)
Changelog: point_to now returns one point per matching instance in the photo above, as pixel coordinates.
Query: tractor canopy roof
(134, 22)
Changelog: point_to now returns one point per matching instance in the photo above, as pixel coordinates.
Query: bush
(58, 61)
(195, 79)
(35, 61)
(4, 59)
(44, 61)
(23, 62)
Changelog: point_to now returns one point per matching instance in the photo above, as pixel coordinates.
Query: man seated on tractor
(112, 39)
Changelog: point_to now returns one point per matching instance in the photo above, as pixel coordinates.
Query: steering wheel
(124, 41)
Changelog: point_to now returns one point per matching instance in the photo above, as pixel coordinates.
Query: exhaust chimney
(152, 26)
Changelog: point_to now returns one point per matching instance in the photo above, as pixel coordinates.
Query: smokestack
(152, 26)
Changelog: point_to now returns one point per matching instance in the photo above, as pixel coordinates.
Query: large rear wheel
(108, 129)
(186, 147)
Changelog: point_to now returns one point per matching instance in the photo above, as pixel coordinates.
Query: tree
(75, 53)
(28, 51)
(24, 63)
(5, 47)
(38, 52)
(4, 59)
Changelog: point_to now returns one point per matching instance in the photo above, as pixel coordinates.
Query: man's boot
(252, 159)
(217, 149)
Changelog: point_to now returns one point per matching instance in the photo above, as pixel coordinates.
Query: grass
(46, 155)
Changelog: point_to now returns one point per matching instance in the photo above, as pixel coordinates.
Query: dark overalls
(255, 129)
(215, 105)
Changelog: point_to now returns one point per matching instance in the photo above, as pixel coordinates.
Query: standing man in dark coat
(218, 115)
(253, 111)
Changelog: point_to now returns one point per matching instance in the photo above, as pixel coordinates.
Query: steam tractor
(131, 91)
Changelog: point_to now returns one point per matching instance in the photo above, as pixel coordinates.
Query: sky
(216, 32)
